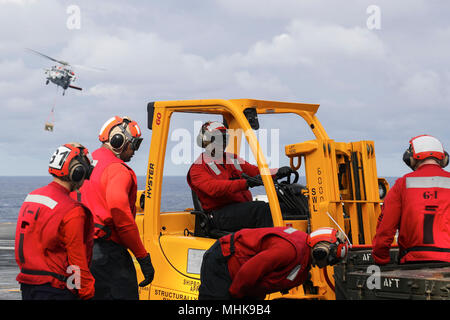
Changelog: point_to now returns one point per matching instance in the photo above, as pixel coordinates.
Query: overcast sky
(383, 79)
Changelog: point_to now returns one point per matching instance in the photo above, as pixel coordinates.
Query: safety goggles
(134, 128)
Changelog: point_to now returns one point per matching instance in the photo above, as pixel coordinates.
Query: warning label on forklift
(193, 285)
(167, 294)
(317, 193)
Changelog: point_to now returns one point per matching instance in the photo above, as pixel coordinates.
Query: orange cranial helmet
(117, 131)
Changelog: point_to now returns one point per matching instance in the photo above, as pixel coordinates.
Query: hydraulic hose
(327, 279)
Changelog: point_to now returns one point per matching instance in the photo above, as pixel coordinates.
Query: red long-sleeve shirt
(266, 260)
(418, 206)
(221, 184)
(71, 235)
(116, 183)
(53, 235)
(275, 254)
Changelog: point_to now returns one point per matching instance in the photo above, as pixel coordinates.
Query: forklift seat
(204, 225)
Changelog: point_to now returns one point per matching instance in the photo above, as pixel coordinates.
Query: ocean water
(13, 191)
(176, 194)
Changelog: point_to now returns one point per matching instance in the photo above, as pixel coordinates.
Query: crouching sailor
(251, 263)
(54, 234)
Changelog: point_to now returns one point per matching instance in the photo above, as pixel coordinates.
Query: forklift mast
(343, 191)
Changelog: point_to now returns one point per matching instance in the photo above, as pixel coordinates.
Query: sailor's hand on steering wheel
(252, 181)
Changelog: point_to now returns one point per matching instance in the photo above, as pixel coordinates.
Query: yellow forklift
(342, 191)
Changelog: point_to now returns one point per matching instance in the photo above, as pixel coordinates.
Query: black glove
(284, 172)
(147, 270)
(253, 181)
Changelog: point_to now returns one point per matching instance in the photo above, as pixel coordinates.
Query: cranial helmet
(71, 162)
(423, 147)
(212, 132)
(329, 246)
(118, 131)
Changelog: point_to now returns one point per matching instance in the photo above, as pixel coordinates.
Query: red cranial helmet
(212, 132)
(71, 162)
(329, 246)
(423, 147)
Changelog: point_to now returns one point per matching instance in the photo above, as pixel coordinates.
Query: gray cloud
(384, 85)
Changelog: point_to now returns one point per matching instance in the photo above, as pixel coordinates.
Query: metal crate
(359, 278)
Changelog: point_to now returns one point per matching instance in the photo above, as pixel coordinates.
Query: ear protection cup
(320, 253)
(341, 250)
(337, 253)
(330, 252)
(117, 140)
(444, 162)
(77, 173)
(81, 169)
(408, 157)
(200, 141)
(204, 137)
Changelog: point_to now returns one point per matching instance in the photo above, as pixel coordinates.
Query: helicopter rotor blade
(78, 66)
(50, 58)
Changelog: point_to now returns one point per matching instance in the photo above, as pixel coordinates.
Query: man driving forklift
(221, 181)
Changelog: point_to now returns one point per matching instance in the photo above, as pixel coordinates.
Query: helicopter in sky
(62, 75)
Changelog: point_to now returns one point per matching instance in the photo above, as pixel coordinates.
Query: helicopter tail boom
(73, 87)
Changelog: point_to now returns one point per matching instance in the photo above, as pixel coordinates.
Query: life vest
(229, 170)
(425, 223)
(40, 254)
(92, 194)
(246, 243)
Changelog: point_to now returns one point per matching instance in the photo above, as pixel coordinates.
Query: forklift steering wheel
(296, 176)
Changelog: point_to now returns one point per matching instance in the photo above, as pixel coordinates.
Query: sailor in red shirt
(221, 180)
(54, 233)
(251, 263)
(418, 206)
(111, 196)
